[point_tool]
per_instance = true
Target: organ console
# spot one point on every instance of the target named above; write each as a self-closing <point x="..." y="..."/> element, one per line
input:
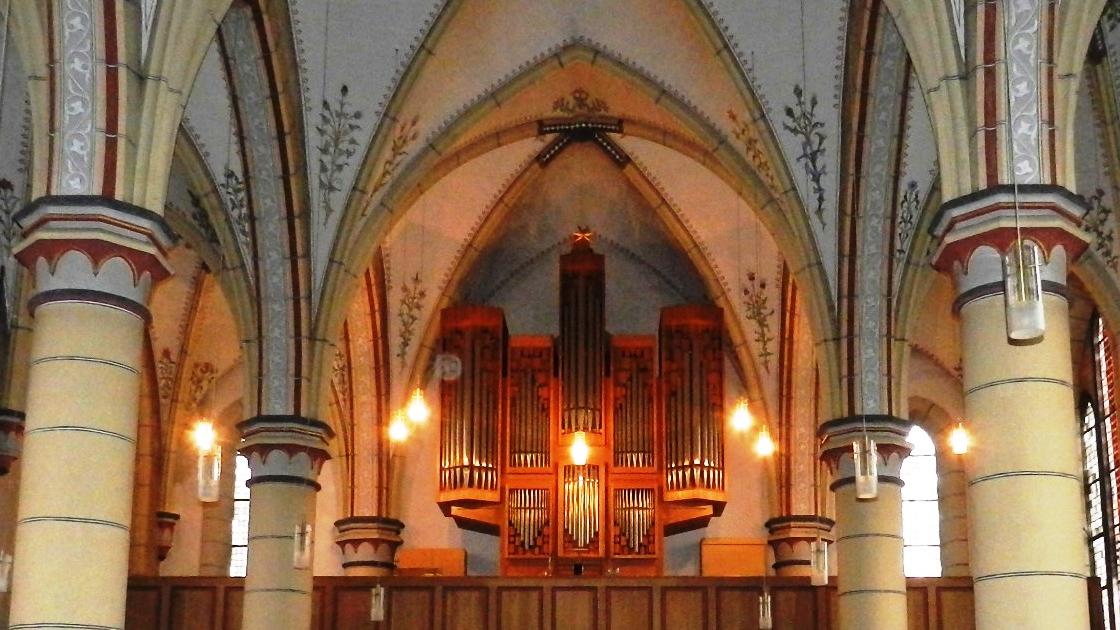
<point x="650" y="408"/>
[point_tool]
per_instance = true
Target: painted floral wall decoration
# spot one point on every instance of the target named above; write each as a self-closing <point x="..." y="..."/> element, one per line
<point x="10" y="202"/>
<point x="200" y="219"/>
<point x="412" y="301"/>
<point x="1098" y="221"/>
<point x="908" y="209"/>
<point x="802" y="121"/>
<point x="580" y="101"/>
<point x="405" y="134"/>
<point x="338" y="129"/>
<point x="233" y="189"/>
<point x="757" y="309"/>
<point x="340" y="378"/>
<point x="165" y="374"/>
<point x="201" y="380"/>
<point x="747" y="132"/>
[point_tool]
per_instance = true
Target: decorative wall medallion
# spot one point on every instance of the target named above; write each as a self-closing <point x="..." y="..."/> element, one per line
<point x="337" y="145"/>
<point x="580" y="102"/>
<point x="1098" y="221"/>
<point x="757" y="309"/>
<point x="76" y="171"/>
<point x="802" y="122"/>
<point x="747" y="132"/>
<point x="404" y="136"/>
<point x="412" y="301"/>
<point x="201" y="380"/>
<point x="165" y="374"/>
<point x="908" y="209"/>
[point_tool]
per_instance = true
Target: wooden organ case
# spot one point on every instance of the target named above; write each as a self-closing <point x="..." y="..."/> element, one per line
<point x="650" y="409"/>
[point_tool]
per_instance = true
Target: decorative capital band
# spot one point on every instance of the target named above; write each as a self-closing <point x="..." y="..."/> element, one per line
<point x="99" y="227"/>
<point x="282" y="448"/>
<point x="369" y="542"/>
<point x="1049" y="215"/>
<point x="888" y="432"/>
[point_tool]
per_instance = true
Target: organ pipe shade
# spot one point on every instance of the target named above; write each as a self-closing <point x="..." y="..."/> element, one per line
<point x="1022" y="276"/>
<point x="582" y="339"/>
<point x="691" y="356"/>
<point x="634" y="518"/>
<point x="528" y="516"/>
<point x="529" y="399"/>
<point x="633" y="382"/>
<point x="865" y="455"/>
<point x="470" y="407"/>
<point x="581" y="505"/>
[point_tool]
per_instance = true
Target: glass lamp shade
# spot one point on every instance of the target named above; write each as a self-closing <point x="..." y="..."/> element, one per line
<point x="301" y="547"/>
<point x="765" y="611"/>
<point x="1022" y="277"/>
<point x="377" y="603"/>
<point x="819" y="550"/>
<point x="764" y="444"/>
<point x="209" y="475"/>
<point x="866" y="456"/>
<point x="398" y="429"/>
<point x="959" y="440"/>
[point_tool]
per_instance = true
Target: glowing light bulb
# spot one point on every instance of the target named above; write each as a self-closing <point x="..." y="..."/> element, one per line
<point x="204" y="436"/>
<point x="418" y="410"/>
<point x="398" y="428"/>
<point x="579" y="449"/>
<point x="764" y="445"/>
<point x="959" y="440"/>
<point x="741" y="419"/>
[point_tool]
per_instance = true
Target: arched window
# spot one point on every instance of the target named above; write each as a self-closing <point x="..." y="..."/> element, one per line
<point x="920" y="520"/>
<point x="1098" y="437"/>
<point x="239" y="550"/>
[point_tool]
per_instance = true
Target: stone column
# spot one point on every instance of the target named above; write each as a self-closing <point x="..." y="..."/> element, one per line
<point x="285" y="456"/>
<point x="1026" y="500"/>
<point x="952" y="507"/>
<point x="369" y="544"/>
<point x="791" y="538"/>
<point x="94" y="261"/>
<point x="871" y="585"/>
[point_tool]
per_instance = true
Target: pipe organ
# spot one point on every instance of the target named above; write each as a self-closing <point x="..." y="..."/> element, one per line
<point x="650" y="409"/>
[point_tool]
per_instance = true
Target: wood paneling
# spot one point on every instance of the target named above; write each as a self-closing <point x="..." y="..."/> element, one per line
<point x="490" y="603"/>
<point x="520" y="608"/>
<point x="466" y="608"/>
<point x="684" y="608"/>
<point x="629" y="608"/>
<point x="575" y="607"/>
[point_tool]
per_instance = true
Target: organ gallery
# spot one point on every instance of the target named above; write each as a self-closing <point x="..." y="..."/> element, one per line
<point x="583" y="451"/>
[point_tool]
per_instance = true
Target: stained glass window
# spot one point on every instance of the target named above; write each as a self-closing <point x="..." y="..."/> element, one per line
<point x="1098" y="438"/>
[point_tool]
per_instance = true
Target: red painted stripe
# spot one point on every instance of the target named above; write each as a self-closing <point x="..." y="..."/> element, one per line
<point x="991" y="111"/>
<point x="112" y="101"/>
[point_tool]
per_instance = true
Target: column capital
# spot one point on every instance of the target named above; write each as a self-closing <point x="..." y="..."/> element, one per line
<point x="791" y="537"/>
<point x="285" y="449"/>
<point x="369" y="544"/>
<point x="11" y="438"/>
<point x="889" y="434"/>
<point x="165" y="529"/>
<point x="93" y="249"/>
<point x="1049" y="215"/>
